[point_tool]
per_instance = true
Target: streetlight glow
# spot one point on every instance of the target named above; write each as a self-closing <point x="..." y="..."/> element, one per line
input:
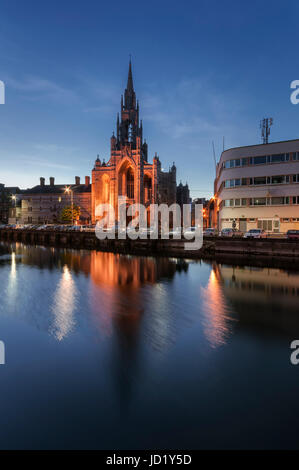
<point x="68" y="190"/>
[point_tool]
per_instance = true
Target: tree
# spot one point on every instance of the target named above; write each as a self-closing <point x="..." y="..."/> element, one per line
<point x="66" y="214"/>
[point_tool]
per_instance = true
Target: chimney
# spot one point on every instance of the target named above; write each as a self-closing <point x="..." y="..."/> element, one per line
<point x="77" y="180"/>
<point x="52" y="180"/>
<point x="42" y="181"/>
<point x="87" y="180"/>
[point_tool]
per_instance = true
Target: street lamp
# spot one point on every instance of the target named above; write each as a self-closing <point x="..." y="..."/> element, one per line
<point x="69" y="190"/>
<point x="14" y="198"/>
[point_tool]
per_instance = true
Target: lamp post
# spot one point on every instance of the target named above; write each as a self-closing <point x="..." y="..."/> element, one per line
<point x="69" y="190"/>
<point x="14" y="198"/>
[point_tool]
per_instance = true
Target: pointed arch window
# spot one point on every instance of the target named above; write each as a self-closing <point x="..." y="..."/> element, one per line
<point x="130" y="132"/>
<point x="130" y="184"/>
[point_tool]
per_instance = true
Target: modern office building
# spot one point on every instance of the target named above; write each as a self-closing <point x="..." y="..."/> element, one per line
<point x="257" y="186"/>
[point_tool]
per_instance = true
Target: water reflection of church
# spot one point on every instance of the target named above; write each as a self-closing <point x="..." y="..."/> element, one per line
<point x="131" y="272"/>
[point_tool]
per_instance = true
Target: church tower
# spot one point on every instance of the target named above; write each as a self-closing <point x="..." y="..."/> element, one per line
<point x="129" y="127"/>
<point x="127" y="174"/>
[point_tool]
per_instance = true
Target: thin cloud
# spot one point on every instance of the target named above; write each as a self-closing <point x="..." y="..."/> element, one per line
<point x="37" y="88"/>
<point x="46" y="164"/>
<point x="54" y="148"/>
<point x="205" y="111"/>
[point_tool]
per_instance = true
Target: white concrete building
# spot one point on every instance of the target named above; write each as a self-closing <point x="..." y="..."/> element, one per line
<point x="258" y="187"/>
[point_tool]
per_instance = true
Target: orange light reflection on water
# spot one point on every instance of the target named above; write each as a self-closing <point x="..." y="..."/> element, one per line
<point x="217" y="312"/>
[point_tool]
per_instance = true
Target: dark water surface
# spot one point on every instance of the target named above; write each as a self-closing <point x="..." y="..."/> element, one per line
<point x="111" y="351"/>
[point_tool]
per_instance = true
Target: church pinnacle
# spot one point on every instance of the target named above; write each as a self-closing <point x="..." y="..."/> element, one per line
<point x="130" y="98"/>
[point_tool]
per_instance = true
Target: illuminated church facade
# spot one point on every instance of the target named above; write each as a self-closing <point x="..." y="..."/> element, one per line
<point x="128" y="174"/>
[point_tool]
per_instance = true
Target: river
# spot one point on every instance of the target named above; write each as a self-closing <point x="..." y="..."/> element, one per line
<point x="108" y="351"/>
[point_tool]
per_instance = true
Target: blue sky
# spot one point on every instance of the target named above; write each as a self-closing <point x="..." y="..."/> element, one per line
<point x="202" y="70"/>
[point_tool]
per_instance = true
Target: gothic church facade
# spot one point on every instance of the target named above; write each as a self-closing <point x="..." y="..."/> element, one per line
<point x="128" y="173"/>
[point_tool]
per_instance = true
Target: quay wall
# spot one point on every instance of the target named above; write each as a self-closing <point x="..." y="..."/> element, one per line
<point x="212" y="247"/>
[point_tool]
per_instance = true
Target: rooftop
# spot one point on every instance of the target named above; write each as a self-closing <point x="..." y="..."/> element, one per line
<point x="57" y="189"/>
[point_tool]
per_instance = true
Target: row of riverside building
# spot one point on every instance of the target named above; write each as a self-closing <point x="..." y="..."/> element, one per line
<point x="127" y="174"/>
<point x="256" y="186"/>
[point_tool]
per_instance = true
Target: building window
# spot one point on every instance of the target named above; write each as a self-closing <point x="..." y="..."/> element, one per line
<point x="282" y="157"/>
<point x="260" y="180"/>
<point x="265" y="224"/>
<point x="277" y="201"/>
<point x="278" y="179"/>
<point x="258" y="201"/>
<point x="130" y="184"/>
<point x="259" y="160"/>
<point x="229" y="203"/>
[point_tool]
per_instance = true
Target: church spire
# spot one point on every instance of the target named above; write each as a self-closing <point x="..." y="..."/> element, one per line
<point x="130" y="87"/>
<point x="128" y="127"/>
<point x="130" y="98"/>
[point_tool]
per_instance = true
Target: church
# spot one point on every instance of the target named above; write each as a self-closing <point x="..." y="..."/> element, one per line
<point x="128" y="173"/>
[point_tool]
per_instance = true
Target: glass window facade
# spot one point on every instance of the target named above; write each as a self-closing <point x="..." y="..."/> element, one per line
<point x="260" y="160"/>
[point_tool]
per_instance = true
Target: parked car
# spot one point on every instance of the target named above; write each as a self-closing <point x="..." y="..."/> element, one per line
<point x="210" y="232"/>
<point x="189" y="231"/>
<point x="255" y="233"/>
<point x="175" y="232"/>
<point x="293" y="234"/>
<point x="148" y="231"/>
<point x="231" y="232"/>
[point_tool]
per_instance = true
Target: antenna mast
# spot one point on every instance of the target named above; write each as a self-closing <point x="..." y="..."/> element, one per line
<point x="214" y="156"/>
<point x="265" y="125"/>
